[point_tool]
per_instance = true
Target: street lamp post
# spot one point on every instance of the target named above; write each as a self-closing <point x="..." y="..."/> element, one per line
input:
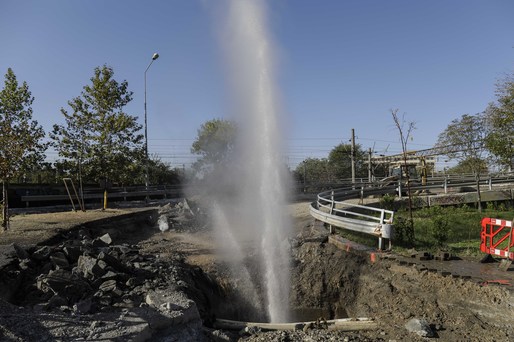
<point x="147" y="181"/>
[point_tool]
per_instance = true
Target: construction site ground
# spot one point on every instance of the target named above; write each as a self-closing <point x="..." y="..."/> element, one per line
<point x="409" y="299"/>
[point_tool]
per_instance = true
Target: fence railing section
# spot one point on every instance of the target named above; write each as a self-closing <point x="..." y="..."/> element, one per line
<point x="335" y="208"/>
<point x="117" y="193"/>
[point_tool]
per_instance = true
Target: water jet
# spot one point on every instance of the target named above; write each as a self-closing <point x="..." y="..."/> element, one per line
<point x="253" y="215"/>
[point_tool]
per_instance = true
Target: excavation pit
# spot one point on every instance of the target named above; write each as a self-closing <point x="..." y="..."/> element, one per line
<point x="323" y="285"/>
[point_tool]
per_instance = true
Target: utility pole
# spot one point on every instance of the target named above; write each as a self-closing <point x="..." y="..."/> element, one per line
<point x="353" y="156"/>
<point x="369" y="166"/>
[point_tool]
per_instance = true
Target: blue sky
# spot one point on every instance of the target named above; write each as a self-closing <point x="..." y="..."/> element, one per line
<point x="342" y="64"/>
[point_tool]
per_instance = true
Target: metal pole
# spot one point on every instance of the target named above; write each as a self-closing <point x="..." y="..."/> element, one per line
<point x="353" y="155"/>
<point x="369" y="165"/>
<point x="146" y="136"/>
<point x="147" y="180"/>
<point x="146" y="139"/>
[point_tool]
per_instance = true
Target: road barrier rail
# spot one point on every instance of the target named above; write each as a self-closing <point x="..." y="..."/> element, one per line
<point x="497" y="238"/>
<point x="117" y="193"/>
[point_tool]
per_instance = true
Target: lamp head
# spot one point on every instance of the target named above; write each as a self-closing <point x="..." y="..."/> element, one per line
<point x="155" y="56"/>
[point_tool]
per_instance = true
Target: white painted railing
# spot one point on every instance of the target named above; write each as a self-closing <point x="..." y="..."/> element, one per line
<point x="335" y="209"/>
<point x="338" y="208"/>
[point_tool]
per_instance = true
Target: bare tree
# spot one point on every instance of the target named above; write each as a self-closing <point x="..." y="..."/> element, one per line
<point x="405" y="130"/>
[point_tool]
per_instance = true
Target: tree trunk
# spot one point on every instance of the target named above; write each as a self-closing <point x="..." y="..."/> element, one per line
<point x="5" y="207"/>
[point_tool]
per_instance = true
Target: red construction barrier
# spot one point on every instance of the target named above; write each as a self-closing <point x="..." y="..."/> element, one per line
<point x="497" y="237"/>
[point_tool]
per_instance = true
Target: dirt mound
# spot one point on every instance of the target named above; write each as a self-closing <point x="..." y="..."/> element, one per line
<point x="340" y="283"/>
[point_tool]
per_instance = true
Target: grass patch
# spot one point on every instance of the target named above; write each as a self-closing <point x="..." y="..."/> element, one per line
<point x="451" y="229"/>
<point x="362" y="238"/>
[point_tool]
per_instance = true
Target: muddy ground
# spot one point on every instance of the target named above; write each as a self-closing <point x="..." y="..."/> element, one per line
<point x="170" y="285"/>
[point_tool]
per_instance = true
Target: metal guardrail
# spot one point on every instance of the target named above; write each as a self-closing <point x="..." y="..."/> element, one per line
<point x="124" y="194"/>
<point x="335" y="208"/>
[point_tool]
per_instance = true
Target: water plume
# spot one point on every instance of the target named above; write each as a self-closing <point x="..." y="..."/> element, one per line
<point x="250" y="194"/>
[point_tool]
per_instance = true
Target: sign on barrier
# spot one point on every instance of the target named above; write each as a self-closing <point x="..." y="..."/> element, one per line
<point x="497" y="237"/>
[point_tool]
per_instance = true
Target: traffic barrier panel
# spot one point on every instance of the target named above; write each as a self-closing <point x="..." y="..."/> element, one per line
<point x="497" y="237"/>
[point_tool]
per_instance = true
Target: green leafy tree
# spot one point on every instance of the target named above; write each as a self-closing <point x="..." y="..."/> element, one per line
<point x="20" y="135"/>
<point x="313" y="171"/>
<point x="469" y="165"/>
<point x="45" y="174"/>
<point x="214" y="144"/>
<point x="340" y="161"/>
<point x="98" y="139"/>
<point x="500" y="123"/>
<point x="162" y="172"/>
<point x="465" y="138"/>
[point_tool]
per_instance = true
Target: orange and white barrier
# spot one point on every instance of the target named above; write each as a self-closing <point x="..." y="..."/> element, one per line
<point x="497" y="238"/>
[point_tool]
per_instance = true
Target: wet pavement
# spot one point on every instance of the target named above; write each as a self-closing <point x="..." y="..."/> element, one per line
<point x="486" y="274"/>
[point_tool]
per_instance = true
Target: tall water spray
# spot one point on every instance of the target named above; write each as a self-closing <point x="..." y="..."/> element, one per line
<point x="254" y="213"/>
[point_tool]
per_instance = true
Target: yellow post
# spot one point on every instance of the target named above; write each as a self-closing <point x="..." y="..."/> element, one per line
<point x="105" y="199"/>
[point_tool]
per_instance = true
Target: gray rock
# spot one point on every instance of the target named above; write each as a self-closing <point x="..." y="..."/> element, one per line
<point x="60" y="281"/>
<point x="113" y="262"/>
<point x="42" y="253"/>
<point x="46" y="268"/>
<point x="165" y="209"/>
<point x="103" y="266"/>
<point x="420" y="327"/>
<point x="89" y="268"/>
<point x="60" y="260"/>
<point x="104" y="240"/>
<point x="20" y="252"/>
<point x="173" y="304"/>
<point x="221" y="336"/>
<point x="57" y="301"/>
<point x="133" y="282"/>
<point x="83" y="306"/>
<point x="123" y="249"/>
<point x="26" y="264"/>
<point x="108" y="285"/>
<point x="110" y="275"/>
<point x="72" y="252"/>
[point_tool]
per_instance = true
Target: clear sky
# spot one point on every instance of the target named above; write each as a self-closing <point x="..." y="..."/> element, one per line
<point x="342" y="64"/>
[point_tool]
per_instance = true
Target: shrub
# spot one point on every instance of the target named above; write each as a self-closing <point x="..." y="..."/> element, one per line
<point x="387" y="202"/>
<point x="430" y="212"/>
<point x="403" y="231"/>
<point x="440" y="229"/>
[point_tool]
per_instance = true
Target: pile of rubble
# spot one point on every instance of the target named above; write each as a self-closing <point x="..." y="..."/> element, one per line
<point x="84" y="275"/>
<point x="109" y="287"/>
<point x="182" y="216"/>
